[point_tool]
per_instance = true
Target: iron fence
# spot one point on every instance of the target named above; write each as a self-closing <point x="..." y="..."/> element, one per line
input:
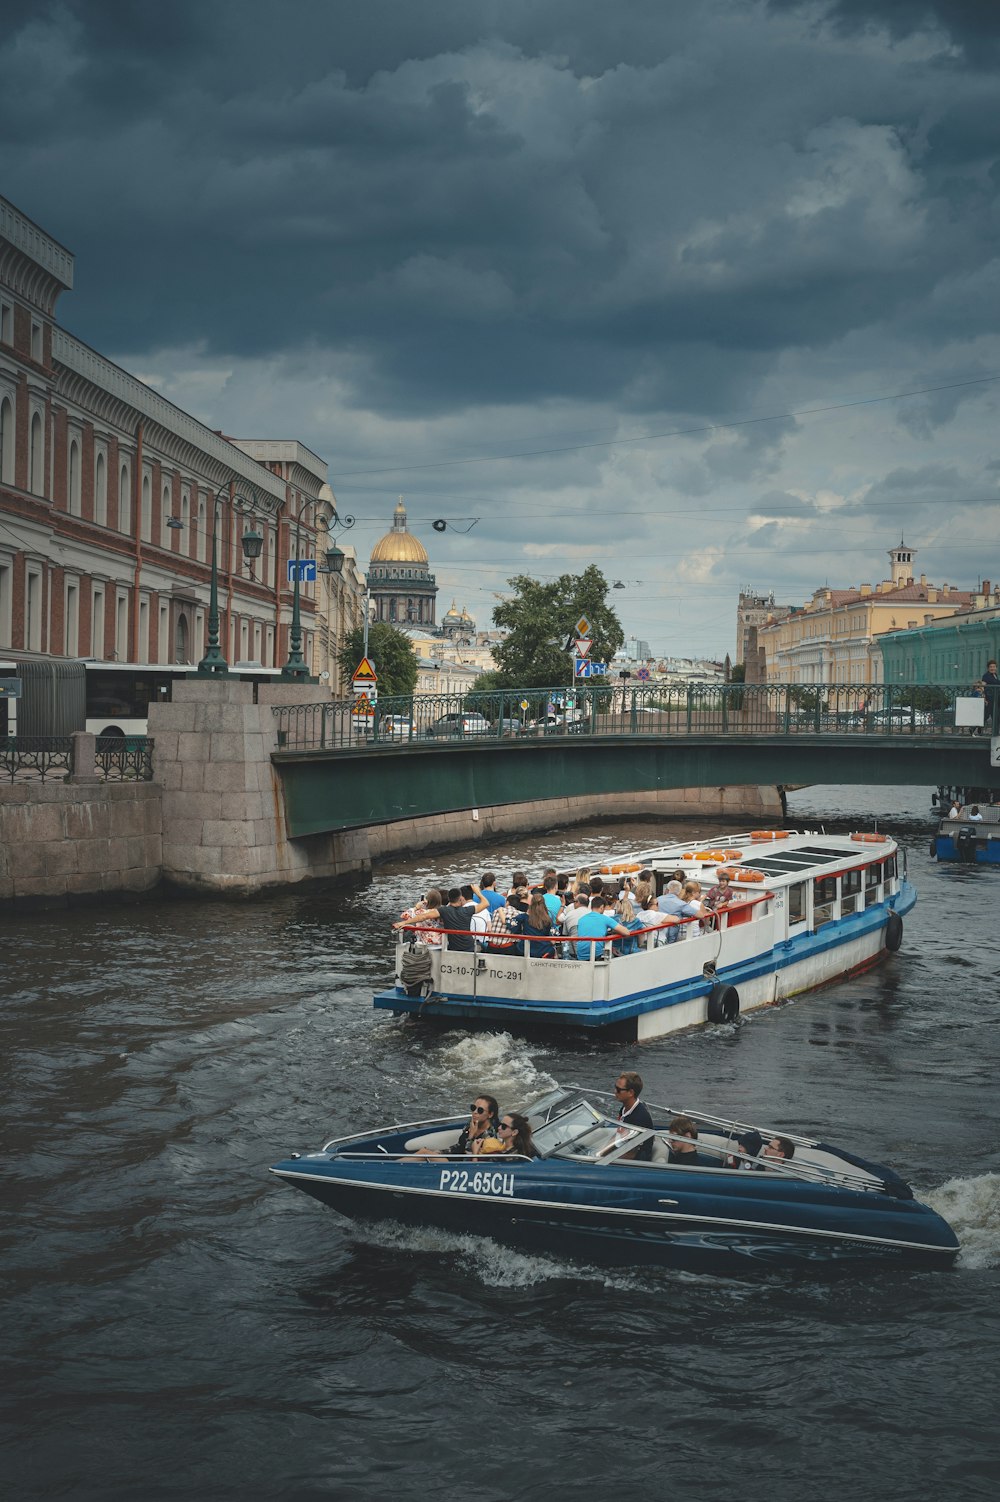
<point x="874" y="710"/>
<point x="34" y="758"/>
<point x="124" y="759"/>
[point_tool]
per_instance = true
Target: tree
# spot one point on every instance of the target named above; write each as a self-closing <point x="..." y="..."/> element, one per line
<point x="390" y="653"/>
<point x="539" y="617"/>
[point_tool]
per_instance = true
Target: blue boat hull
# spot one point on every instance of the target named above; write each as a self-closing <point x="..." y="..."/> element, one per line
<point x="712" y="1221"/>
<point x="970" y="852"/>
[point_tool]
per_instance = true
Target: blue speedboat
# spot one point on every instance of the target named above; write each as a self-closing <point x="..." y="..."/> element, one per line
<point x="586" y="1197"/>
<point x="971" y="840"/>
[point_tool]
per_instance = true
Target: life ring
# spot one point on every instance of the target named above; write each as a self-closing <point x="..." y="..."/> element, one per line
<point x="748" y="875"/>
<point x="769" y="834"/>
<point x="893" y="932"/>
<point x="869" y="839"/>
<point x="732" y="855"/>
<point x="723" y="1003"/>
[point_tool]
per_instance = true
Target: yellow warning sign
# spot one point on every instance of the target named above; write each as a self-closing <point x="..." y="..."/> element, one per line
<point x="582" y="627"/>
<point x="361" y="705"/>
<point x="365" y="673"/>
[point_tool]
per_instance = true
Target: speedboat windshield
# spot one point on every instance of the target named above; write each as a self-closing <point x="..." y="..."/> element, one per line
<point x="583" y="1132"/>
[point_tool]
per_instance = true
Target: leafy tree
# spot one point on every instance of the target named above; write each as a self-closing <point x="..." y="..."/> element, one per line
<point x="738" y="673"/>
<point x="389" y="652"/>
<point x="539" y="617"/>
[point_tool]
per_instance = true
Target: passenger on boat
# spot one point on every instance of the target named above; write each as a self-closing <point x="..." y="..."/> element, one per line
<point x="594" y="925"/>
<point x="551" y="897"/>
<point x="626" y="915"/>
<point x="418" y="921"/>
<point x="721" y="893"/>
<point x="749" y="1144"/>
<point x="571" y="915"/>
<point x="514" y="1138"/>
<point x="581" y="881"/>
<point x="975" y="817"/>
<point x="781" y="1148"/>
<point x="536" y="926"/>
<point x="632" y="1112"/>
<point x="484" y="1116"/>
<point x="955" y="812"/>
<point x="540" y="885"/>
<point x="653" y="918"/>
<point x="518" y="895"/>
<point x="597" y="886"/>
<point x="456" y="913"/>
<point x="683" y="1145"/>
<point x="487" y="887"/>
<point x="501" y="931"/>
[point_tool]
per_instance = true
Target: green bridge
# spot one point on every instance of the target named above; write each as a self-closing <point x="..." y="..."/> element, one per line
<point x="430" y="754"/>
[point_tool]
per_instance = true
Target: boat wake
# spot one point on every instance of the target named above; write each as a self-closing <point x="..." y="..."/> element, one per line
<point x="972" y="1208"/>
<point x="493" y="1264"/>
<point x="496" y="1062"/>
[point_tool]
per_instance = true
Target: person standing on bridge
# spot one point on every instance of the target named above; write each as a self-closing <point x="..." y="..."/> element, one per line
<point x="991" y="693"/>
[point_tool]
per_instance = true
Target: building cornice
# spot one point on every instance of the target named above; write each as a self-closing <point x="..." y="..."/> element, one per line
<point x="32" y="264"/>
<point x="105" y="390"/>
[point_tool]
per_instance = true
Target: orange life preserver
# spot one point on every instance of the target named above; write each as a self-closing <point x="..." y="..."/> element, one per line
<point x="751" y="876"/>
<point x="732" y="855"/>
<point x="769" y="834"/>
<point x="869" y="839"/>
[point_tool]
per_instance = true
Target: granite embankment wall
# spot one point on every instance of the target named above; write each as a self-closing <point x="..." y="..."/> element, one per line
<point x="212" y="821"/>
<point x="61" y="844"/>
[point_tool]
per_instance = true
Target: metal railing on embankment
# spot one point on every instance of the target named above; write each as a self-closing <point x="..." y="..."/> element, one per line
<point x="735" y="709"/>
<point x="37" y="758"/>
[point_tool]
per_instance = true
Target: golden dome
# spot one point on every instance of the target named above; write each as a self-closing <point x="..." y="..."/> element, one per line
<point x="399" y="546"/>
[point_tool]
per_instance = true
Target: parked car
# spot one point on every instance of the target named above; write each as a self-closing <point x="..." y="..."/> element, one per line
<point x="460" y="724"/>
<point x="395" y="727"/>
<point x="507" y="725"/>
<point x="571" y="722"/>
<point x="901" y="714"/>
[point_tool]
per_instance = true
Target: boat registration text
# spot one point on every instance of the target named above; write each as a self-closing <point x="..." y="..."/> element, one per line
<point x="464" y="1181"/>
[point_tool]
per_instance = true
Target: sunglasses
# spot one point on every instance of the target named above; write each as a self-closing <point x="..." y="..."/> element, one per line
<point x="621" y="1089"/>
<point x="479" y="1110"/>
<point x="507" y="1126"/>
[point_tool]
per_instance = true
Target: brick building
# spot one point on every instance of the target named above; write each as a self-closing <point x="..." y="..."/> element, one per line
<point x="109" y="493"/>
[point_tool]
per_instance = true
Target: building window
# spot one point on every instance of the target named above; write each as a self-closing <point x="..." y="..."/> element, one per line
<point x="146" y="511"/>
<point x="202" y="544"/>
<point x="97" y="623"/>
<point x="121" y="627"/>
<point x="5" y="603"/>
<point x="181" y="639"/>
<point x="36" y="342"/>
<point x="74" y="480"/>
<point x="33" y="610"/>
<point x="185" y="521"/>
<point x="6" y="323"/>
<point x="101" y="490"/>
<point x="167" y="505"/>
<point x="36" y="456"/>
<point x="125" y="502"/>
<point x="71" y="618"/>
<point x="7" y="441"/>
<point x="143" y="630"/>
<point x="163" y="639"/>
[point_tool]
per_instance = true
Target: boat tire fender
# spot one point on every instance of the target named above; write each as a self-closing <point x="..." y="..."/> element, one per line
<point x="893" y="932"/>
<point x="724" y="1003"/>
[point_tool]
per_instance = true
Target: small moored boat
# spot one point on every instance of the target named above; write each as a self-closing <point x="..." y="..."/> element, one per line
<point x="584" y="1195"/>
<point x="973" y="841"/>
<point x="805" y="909"/>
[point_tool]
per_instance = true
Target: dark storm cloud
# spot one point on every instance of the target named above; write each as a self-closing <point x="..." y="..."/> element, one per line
<point x="491" y="203"/>
<point x="973" y="25"/>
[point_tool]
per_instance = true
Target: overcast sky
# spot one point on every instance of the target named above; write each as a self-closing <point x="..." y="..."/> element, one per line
<point x="575" y="268"/>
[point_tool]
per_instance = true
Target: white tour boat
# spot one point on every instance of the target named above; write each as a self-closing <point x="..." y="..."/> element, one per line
<point x="806" y="909"/>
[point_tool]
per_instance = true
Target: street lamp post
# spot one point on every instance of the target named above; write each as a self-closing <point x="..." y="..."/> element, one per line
<point x="296" y="669"/>
<point x="214" y="664"/>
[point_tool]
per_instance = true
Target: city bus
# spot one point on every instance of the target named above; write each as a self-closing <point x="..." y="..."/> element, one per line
<point x="119" y="693"/>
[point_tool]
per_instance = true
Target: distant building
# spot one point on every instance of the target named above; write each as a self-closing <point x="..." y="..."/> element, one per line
<point x="403" y="590"/>
<point x="755" y="609"/>
<point x="834" y="637"/>
<point x="949" y="649"/>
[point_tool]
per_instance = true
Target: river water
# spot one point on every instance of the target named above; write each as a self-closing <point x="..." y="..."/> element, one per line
<point x="178" y="1324"/>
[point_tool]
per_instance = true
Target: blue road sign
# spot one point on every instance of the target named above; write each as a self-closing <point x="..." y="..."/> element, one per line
<point x="597" y="668"/>
<point x="306" y="568"/>
<point x="582" y="667"/>
<point x="10" y="688"/>
<point x="643" y="675"/>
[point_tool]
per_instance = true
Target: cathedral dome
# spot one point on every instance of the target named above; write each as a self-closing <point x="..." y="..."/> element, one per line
<point x="399" y="546"/>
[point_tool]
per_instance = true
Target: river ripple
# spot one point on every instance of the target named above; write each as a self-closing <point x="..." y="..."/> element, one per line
<point x="180" y="1325"/>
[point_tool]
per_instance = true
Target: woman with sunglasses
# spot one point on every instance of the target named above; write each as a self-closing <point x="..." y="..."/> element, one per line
<point x="484" y="1122"/>
<point x="513" y="1138"/>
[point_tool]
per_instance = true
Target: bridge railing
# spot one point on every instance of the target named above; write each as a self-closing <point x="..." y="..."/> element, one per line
<point x="874" y="710"/>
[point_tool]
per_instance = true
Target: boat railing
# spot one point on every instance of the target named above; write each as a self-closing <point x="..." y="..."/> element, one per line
<point x="400" y="1126"/>
<point x="499" y="944"/>
<point x="845" y="1176"/>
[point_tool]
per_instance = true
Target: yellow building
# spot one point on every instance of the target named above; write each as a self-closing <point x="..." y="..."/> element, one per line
<point x="833" y="637"/>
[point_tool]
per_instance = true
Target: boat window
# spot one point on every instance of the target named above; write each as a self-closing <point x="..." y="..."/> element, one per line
<point x="567" y="1128"/>
<point x="797" y="903"/>
<point x="850" y="891"/>
<point x="824" y="900"/>
<point x="890" y="867"/>
<point x="873" y="875"/>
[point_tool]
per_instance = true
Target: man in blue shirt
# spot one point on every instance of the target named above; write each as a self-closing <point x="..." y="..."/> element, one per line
<point x="596" y="924"/>
<point x="487" y="889"/>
